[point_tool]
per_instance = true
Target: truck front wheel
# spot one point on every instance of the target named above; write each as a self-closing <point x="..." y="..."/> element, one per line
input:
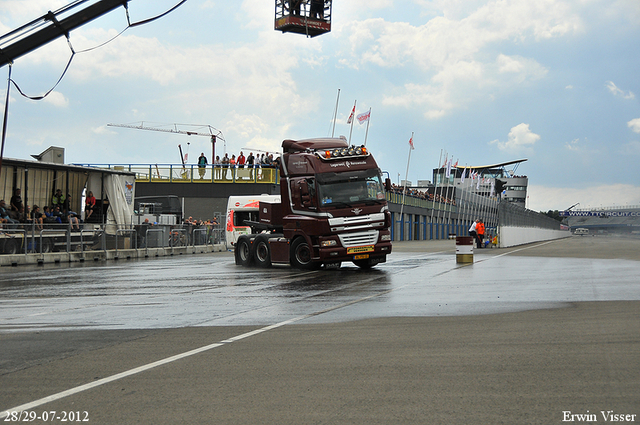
<point x="262" y="251"/>
<point x="243" y="251"/>
<point x="301" y="255"/>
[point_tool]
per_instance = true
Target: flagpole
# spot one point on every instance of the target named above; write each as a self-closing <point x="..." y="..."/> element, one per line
<point x="444" y="175"/>
<point x="465" y="211"/>
<point x="367" y="131"/>
<point x="335" y="114"/>
<point x="450" y="197"/>
<point x="406" y="176"/>
<point x="353" y="118"/>
<point x="435" y="192"/>
<point x="444" y="170"/>
<point x="460" y="207"/>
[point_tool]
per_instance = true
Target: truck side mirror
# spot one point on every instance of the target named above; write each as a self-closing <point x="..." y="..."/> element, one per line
<point x="387" y="185"/>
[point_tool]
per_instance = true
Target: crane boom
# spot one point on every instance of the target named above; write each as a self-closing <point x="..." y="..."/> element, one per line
<point x="141" y="126"/>
<point x="214" y="133"/>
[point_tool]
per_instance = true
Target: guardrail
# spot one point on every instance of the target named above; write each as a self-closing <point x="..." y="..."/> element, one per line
<point x="61" y="238"/>
<point x="48" y="241"/>
<point x="124" y="231"/>
<point x="55" y="245"/>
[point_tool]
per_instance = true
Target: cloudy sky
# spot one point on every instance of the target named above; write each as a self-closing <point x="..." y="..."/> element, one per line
<point x="552" y="81"/>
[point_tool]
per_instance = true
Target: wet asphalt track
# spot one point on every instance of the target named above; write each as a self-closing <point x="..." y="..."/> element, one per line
<point x="210" y="290"/>
<point x="414" y="340"/>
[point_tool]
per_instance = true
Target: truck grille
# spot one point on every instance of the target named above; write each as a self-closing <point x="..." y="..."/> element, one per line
<point x="350" y="221"/>
<point x="357" y="239"/>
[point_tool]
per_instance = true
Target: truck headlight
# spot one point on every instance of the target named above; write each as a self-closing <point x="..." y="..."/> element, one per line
<point x="328" y="243"/>
<point x="385" y="237"/>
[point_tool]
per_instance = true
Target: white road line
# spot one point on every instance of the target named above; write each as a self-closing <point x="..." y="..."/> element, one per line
<point x="517" y="250"/>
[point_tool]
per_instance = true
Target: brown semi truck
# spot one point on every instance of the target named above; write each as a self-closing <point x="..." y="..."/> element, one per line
<point x="332" y="209"/>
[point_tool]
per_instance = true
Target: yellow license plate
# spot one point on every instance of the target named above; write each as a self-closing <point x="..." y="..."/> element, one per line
<point x="361" y="257"/>
<point x="359" y="249"/>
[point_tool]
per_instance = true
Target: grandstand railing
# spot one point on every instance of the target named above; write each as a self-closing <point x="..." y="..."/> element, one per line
<point x="192" y="173"/>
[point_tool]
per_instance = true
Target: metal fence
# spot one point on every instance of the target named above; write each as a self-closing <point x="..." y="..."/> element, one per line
<point x="31" y="238"/>
<point x="513" y="215"/>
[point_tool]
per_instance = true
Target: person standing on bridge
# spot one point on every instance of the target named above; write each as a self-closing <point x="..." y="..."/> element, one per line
<point x="202" y="165"/>
<point x="250" y="163"/>
<point x="217" y="166"/>
<point x="233" y="163"/>
<point x="225" y="166"/>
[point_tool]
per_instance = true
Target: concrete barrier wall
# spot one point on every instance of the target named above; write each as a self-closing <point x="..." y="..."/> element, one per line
<point x="105" y="255"/>
<point x="512" y="236"/>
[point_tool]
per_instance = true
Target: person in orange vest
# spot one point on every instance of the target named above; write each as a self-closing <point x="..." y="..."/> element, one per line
<point x="480" y="233"/>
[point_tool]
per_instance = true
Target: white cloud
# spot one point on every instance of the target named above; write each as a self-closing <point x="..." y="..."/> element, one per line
<point x="634" y="125"/>
<point x="573" y="145"/>
<point x="618" y="92"/>
<point x="542" y="198"/>
<point x="520" y="137"/>
<point x="631" y="149"/>
<point x="523" y="68"/>
<point x="103" y="129"/>
<point x="450" y="50"/>
<point x="26" y="11"/>
<point x="56" y="99"/>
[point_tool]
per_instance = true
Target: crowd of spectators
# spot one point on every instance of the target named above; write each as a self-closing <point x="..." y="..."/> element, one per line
<point x="57" y="212"/>
<point x="226" y="168"/>
<point x="425" y="195"/>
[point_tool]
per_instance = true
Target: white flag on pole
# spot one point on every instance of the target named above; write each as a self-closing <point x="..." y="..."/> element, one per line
<point x="364" y="117"/>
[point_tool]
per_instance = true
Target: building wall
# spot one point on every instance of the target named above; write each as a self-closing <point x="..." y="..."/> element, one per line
<point x="202" y="200"/>
<point x="205" y="208"/>
<point x="513" y="236"/>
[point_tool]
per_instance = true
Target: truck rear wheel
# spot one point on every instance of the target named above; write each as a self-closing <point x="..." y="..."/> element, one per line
<point x="243" y="252"/>
<point x="47" y="246"/>
<point x="301" y="255"/>
<point x="10" y="246"/>
<point x="262" y="251"/>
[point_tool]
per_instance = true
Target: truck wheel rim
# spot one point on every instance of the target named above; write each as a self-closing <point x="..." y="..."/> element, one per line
<point x="261" y="252"/>
<point x="244" y="251"/>
<point x="303" y="254"/>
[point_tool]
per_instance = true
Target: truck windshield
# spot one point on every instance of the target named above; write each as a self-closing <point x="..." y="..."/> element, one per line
<point x="347" y="188"/>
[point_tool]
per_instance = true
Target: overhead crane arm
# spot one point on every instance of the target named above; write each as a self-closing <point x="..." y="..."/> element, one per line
<point x="213" y="133"/>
